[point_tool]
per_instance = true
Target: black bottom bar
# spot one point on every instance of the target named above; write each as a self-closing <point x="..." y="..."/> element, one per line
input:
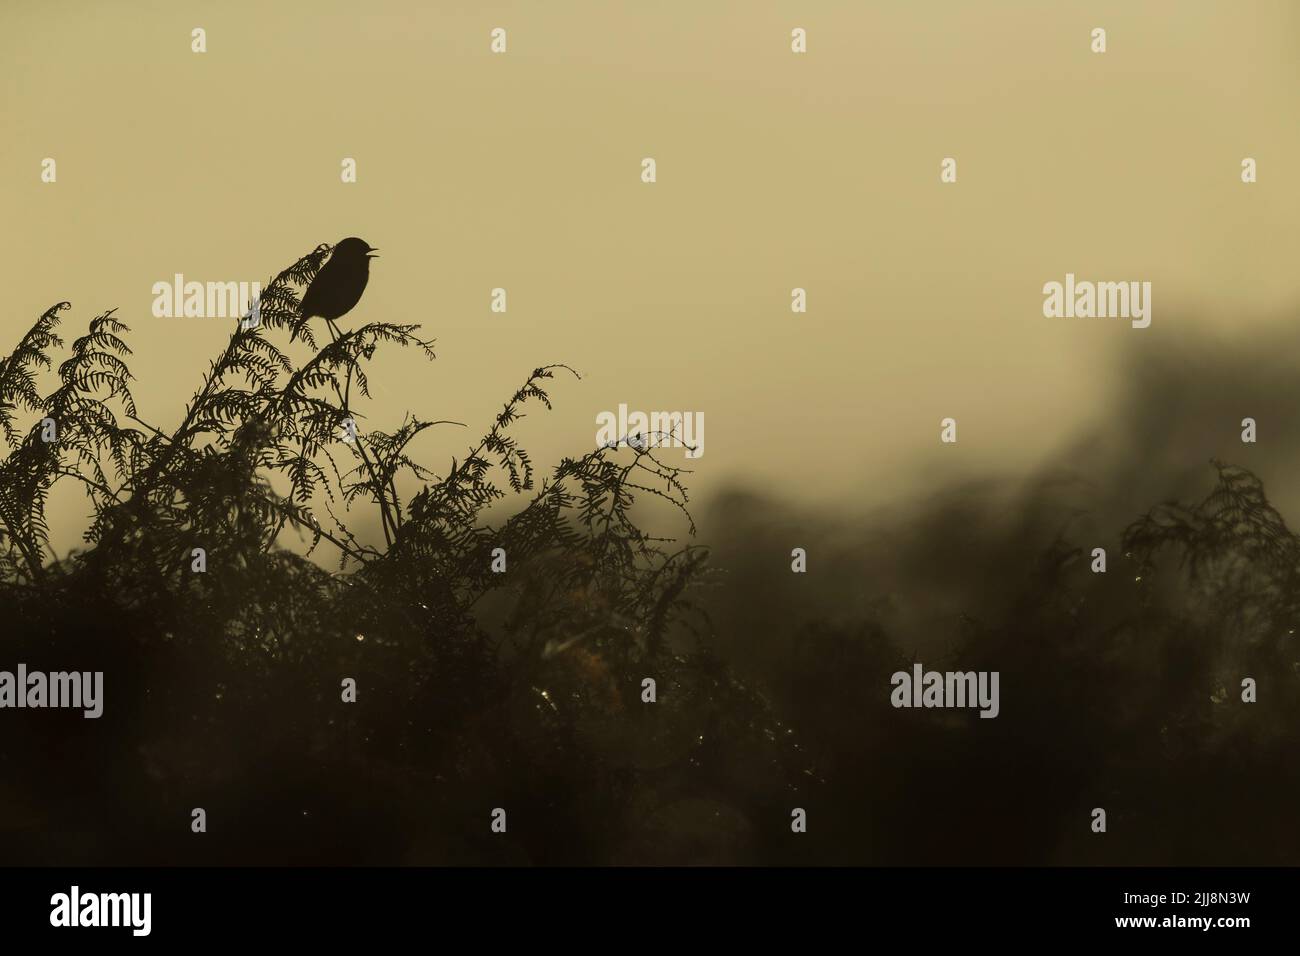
<point x="768" y="906"/>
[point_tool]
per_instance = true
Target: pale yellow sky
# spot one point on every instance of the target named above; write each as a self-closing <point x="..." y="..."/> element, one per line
<point x="775" y="170"/>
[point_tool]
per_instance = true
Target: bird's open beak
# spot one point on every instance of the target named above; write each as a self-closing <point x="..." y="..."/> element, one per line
<point x="373" y="254"/>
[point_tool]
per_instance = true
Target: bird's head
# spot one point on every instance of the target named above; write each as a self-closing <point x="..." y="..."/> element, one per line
<point x="354" y="249"/>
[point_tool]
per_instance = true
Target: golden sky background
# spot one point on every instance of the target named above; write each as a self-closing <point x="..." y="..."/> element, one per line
<point x="775" y="170"/>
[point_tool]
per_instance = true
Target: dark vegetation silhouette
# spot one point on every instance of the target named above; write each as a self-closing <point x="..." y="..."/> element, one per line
<point x="522" y="690"/>
<point x="223" y="687"/>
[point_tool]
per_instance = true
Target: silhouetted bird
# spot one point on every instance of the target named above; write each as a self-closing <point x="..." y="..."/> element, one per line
<point x="340" y="282"/>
